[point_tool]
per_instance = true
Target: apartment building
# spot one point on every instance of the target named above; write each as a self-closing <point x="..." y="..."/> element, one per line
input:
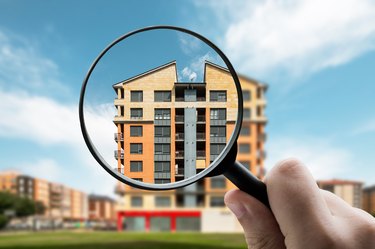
<point x="8" y="181"/>
<point x="101" y="208"/>
<point x="349" y="191"/>
<point x="368" y="199"/>
<point x="169" y="131"/>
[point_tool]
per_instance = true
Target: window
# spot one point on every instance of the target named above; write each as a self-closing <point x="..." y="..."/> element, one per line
<point x="215" y="149"/>
<point x="244" y="148"/>
<point x="162" y="114"/>
<point x="246" y="113"/>
<point x="217" y="201"/>
<point x="259" y="111"/>
<point x="218" y="131"/>
<point x="162" y="181"/>
<point x="136" y="166"/>
<point x="246" y="94"/>
<point x="136" y="201"/>
<point x="247" y="164"/>
<point x="218" y="96"/>
<point x="162" y="149"/>
<point x="136" y="96"/>
<point x="136" y="131"/>
<point x="162" y="96"/>
<point x="218" y="182"/>
<point x="136" y="148"/>
<point x="245" y="131"/>
<point x="162" y="131"/>
<point x="162" y="167"/>
<point x="136" y="113"/>
<point x="188" y="224"/>
<point x="218" y="114"/>
<point x="162" y="201"/>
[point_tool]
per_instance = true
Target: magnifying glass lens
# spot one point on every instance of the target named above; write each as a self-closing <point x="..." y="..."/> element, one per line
<point x="160" y="107"/>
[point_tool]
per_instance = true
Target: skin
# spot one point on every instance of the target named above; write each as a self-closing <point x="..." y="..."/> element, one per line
<point x="302" y="215"/>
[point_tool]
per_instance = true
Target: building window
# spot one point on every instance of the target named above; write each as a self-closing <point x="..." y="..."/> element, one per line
<point x="245" y="131"/>
<point x="136" y="131"/>
<point x="136" y="113"/>
<point x="218" y="96"/>
<point x="136" y="166"/>
<point x="218" y="131"/>
<point x="259" y="111"/>
<point x="217" y="201"/>
<point x="162" y="167"/>
<point x="244" y="148"/>
<point x="162" y="96"/>
<point x="162" y="181"/>
<point x="218" y="114"/>
<point x="162" y="131"/>
<point x="162" y="201"/>
<point x="164" y="149"/>
<point x="162" y="114"/>
<point x="218" y="182"/>
<point x="247" y="164"/>
<point x="136" y="96"/>
<point x="136" y="201"/>
<point x="246" y="94"/>
<point x="215" y="149"/>
<point x="136" y="148"/>
<point x="247" y="113"/>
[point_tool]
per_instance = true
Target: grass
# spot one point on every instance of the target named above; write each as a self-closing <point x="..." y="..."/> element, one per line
<point x="109" y="240"/>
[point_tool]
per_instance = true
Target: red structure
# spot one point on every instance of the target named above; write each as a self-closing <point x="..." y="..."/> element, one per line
<point x="172" y="215"/>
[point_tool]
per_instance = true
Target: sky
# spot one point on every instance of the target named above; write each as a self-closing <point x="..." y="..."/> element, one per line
<point x="317" y="57"/>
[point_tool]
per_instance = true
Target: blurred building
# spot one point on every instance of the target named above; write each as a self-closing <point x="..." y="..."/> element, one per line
<point x="368" y="203"/>
<point x="101" y="208"/>
<point x="161" y="129"/>
<point x="8" y="181"/>
<point x="349" y="191"/>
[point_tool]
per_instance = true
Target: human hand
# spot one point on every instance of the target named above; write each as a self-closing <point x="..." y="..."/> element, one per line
<point x="302" y="216"/>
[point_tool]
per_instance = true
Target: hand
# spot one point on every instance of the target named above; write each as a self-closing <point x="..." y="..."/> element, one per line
<point x="303" y="216"/>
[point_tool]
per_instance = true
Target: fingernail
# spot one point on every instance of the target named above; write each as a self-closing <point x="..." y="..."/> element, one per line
<point x="237" y="208"/>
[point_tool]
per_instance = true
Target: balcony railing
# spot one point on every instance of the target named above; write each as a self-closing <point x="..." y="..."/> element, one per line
<point x="201" y="154"/>
<point x="201" y="136"/>
<point x="179" y="154"/>
<point x="201" y="98"/>
<point x="119" y="137"/>
<point x="119" y="154"/>
<point x="180" y="136"/>
<point x="180" y="99"/>
<point x="179" y="118"/>
<point x="180" y="172"/>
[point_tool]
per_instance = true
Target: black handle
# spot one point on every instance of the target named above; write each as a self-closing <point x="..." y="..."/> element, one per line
<point x="247" y="182"/>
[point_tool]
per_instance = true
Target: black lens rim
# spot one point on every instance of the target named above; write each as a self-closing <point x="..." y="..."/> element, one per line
<point x="150" y="186"/>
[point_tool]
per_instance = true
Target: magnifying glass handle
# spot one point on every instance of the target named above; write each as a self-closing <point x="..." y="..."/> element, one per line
<point x="247" y="182"/>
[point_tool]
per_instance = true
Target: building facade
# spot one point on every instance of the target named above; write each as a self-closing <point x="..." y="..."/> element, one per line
<point x="349" y="191"/>
<point x="8" y="181"/>
<point x="368" y="203"/>
<point x="168" y="131"/>
<point x="101" y="208"/>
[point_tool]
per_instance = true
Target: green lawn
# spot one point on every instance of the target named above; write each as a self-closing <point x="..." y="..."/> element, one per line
<point x="109" y="240"/>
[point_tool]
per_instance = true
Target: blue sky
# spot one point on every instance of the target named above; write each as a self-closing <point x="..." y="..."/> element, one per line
<point x="317" y="57"/>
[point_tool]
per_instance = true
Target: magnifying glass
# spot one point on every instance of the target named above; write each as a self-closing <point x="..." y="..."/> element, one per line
<point x="161" y="107"/>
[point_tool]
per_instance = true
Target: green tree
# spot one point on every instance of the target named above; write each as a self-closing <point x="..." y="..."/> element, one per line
<point x="3" y="221"/>
<point x="24" y="207"/>
<point x="39" y="207"/>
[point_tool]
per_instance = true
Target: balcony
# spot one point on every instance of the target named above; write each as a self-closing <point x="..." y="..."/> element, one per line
<point x="118" y="101"/>
<point x="201" y="118"/>
<point x="201" y="99"/>
<point x="119" y="137"/>
<point x="201" y="154"/>
<point x="201" y="136"/>
<point x="119" y="154"/>
<point x="179" y="118"/>
<point x="262" y="137"/>
<point x="180" y="172"/>
<point x="179" y="154"/>
<point x="180" y="136"/>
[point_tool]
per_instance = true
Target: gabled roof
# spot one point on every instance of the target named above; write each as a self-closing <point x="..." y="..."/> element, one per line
<point x="116" y="85"/>
<point x="252" y="80"/>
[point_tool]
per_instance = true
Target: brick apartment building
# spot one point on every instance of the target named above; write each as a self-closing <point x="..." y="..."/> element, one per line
<point x="156" y="116"/>
<point x="368" y="199"/>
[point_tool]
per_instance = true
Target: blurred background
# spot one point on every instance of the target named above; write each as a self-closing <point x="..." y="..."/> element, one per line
<point x="307" y="71"/>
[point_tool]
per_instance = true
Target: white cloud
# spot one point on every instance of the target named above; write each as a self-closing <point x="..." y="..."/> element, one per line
<point x="45" y="168"/>
<point x="320" y="155"/>
<point x="196" y="67"/>
<point x="298" y="37"/>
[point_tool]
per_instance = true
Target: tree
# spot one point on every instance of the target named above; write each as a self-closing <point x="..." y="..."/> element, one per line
<point x="39" y="207"/>
<point x="3" y="221"/>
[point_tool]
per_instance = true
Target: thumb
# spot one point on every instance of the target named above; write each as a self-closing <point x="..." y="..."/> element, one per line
<point x="259" y="224"/>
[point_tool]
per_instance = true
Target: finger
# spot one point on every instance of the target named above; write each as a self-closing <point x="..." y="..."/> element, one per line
<point x="259" y="224"/>
<point x="296" y="201"/>
<point x="336" y="205"/>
